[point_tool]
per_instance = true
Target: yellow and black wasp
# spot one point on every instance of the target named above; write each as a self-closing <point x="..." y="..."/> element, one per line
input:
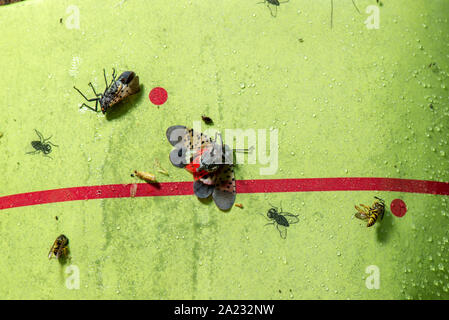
<point x="60" y="248"/>
<point x="371" y="213"/>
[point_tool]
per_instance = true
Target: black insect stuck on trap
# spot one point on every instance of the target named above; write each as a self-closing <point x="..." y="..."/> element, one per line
<point x="275" y="3"/>
<point x="211" y="164"/>
<point x="282" y="220"/>
<point x="127" y="84"/>
<point x="43" y="145"/>
<point x="207" y="120"/>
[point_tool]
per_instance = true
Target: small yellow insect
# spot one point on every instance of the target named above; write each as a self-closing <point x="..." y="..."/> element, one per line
<point x="60" y="248"/>
<point x="148" y="177"/>
<point x="371" y="213"/>
<point x="239" y="205"/>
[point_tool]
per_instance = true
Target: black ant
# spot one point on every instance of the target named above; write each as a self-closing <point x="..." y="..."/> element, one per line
<point x="43" y="145"/>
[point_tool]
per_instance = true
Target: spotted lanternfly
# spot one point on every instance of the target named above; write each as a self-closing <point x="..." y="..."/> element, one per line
<point x="127" y="84"/>
<point x="211" y="164"/>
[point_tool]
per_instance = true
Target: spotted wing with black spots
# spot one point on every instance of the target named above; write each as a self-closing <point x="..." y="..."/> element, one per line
<point x="187" y="144"/>
<point x="224" y="193"/>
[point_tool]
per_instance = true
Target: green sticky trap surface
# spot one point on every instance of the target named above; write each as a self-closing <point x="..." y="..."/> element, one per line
<point x="348" y="102"/>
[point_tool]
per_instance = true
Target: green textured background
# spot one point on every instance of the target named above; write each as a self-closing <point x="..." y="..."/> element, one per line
<point x="347" y="101"/>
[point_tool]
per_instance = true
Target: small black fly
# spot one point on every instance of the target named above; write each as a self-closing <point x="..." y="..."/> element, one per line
<point x="127" y="84"/>
<point x="275" y="3"/>
<point x="43" y="145"/>
<point x="282" y="220"/>
<point x="207" y="120"/>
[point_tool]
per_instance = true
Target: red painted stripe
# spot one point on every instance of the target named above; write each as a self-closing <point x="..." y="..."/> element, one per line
<point x="243" y="186"/>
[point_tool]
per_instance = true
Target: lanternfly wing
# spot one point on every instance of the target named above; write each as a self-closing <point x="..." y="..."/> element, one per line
<point x="203" y="190"/>
<point x="126" y="85"/>
<point x="224" y="193"/>
<point x="190" y="139"/>
<point x="130" y="81"/>
<point x="187" y="143"/>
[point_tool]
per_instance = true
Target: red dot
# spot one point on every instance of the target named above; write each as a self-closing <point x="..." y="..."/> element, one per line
<point x="158" y="96"/>
<point x="398" y="208"/>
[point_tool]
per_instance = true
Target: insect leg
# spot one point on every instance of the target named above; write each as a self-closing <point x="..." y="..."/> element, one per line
<point x="271" y="11"/>
<point x="33" y="152"/>
<point x="105" y="80"/>
<point x="49" y="142"/>
<point x="268" y="224"/>
<point x="55" y="145"/>
<point x="273" y="206"/>
<point x="112" y="80"/>
<point x="367" y="209"/>
<point x="93" y="89"/>
<point x="263" y="215"/>
<point x="85" y="105"/>
<point x="113" y="74"/>
<point x="89" y="100"/>
<point x="353" y="2"/>
<point x="41" y="137"/>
